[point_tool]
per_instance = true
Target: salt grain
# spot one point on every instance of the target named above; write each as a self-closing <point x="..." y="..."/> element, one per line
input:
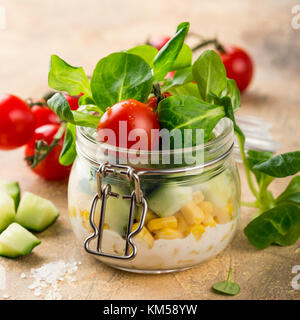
<point x="47" y="277"/>
<point x="23" y="275"/>
<point x="5" y="296"/>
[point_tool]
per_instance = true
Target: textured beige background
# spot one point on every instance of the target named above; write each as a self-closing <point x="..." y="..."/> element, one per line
<point x="83" y="31"/>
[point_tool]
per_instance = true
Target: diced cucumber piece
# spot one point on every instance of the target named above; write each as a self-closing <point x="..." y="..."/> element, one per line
<point x="36" y="213"/>
<point x="219" y="189"/>
<point x="17" y="241"/>
<point x="7" y="210"/>
<point x="168" y="199"/>
<point x="12" y="189"/>
<point x="117" y="211"/>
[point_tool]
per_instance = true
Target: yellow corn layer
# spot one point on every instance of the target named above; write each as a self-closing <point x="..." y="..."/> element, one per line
<point x="160" y="223"/>
<point x="167" y="233"/>
<point x="207" y="207"/>
<point x="182" y="224"/>
<point x="145" y="235"/>
<point x="192" y="213"/>
<point x="85" y="214"/>
<point x="149" y="215"/>
<point x="197" y="231"/>
<point x="209" y="220"/>
<point x="198" y="197"/>
<point x="222" y="215"/>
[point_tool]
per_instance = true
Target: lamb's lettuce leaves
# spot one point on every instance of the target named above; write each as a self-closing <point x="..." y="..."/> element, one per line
<point x="85" y="100"/>
<point x="283" y="165"/>
<point x="121" y="76"/>
<point x="188" y="89"/>
<point x="187" y="112"/>
<point x="210" y="75"/>
<point x="184" y="58"/>
<point x="146" y="52"/>
<point x="291" y="193"/>
<point x="229" y="113"/>
<point x="279" y="225"/>
<point x="180" y="78"/>
<point x="167" y="55"/>
<point x="254" y="157"/>
<point x="64" y="77"/>
<point x="68" y="152"/>
<point x="61" y="107"/>
<point x="233" y="93"/>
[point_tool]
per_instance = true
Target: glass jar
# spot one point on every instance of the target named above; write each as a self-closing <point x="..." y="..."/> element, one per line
<point x="172" y="217"/>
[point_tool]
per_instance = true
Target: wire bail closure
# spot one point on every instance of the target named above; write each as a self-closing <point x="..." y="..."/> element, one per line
<point x="103" y="193"/>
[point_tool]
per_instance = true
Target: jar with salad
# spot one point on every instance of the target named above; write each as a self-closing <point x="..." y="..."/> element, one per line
<point x="132" y="203"/>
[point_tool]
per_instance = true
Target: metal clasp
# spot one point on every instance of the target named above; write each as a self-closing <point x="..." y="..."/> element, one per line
<point x="103" y="193"/>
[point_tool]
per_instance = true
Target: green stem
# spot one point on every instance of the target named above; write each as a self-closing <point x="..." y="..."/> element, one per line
<point x="229" y="274"/>
<point x="157" y="93"/>
<point x="206" y="42"/>
<point x="40" y="157"/>
<point x="249" y="204"/>
<point x="265" y="196"/>
<point x="247" y="170"/>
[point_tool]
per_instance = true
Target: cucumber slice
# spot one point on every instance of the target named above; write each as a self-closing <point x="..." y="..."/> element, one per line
<point x="168" y="199"/>
<point x="7" y="210"/>
<point x="36" y="213"/>
<point x="17" y="241"/>
<point x="219" y="189"/>
<point x="117" y="211"/>
<point x="12" y="189"/>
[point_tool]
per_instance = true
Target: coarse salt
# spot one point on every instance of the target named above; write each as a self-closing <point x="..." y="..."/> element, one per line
<point x="47" y="277"/>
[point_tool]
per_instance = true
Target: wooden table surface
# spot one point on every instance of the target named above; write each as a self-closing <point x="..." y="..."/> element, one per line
<point x="81" y="33"/>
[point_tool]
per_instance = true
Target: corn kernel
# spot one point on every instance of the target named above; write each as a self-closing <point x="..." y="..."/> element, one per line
<point x="196" y="230"/>
<point x="72" y="212"/>
<point x="182" y="224"/>
<point x="105" y="226"/>
<point x="160" y="223"/>
<point x="198" y="197"/>
<point x="207" y="207"/>
<point x="84" y="214"/>
<point x="216" y="219"/>
<point x="145" y="235"/>
<point x="221" y="215"/>
<point x="208" y="220"/>
<point x="229" y="207"/>
<point x="149" y="215"/>
<point x="192" y="213"/>
<point x="167" y="233"/>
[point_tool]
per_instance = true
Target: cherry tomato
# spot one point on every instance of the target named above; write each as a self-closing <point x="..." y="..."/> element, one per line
<point x="49" y="168"/>
<point x="73" y="101"/>
<point x="43" y="115"/>
<point x="238" y="65"/>
<point x="158" y="42"/>
<point x="137" y="115"/>
<point x="16" y="122"/>
<point x="152" y="102"/>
